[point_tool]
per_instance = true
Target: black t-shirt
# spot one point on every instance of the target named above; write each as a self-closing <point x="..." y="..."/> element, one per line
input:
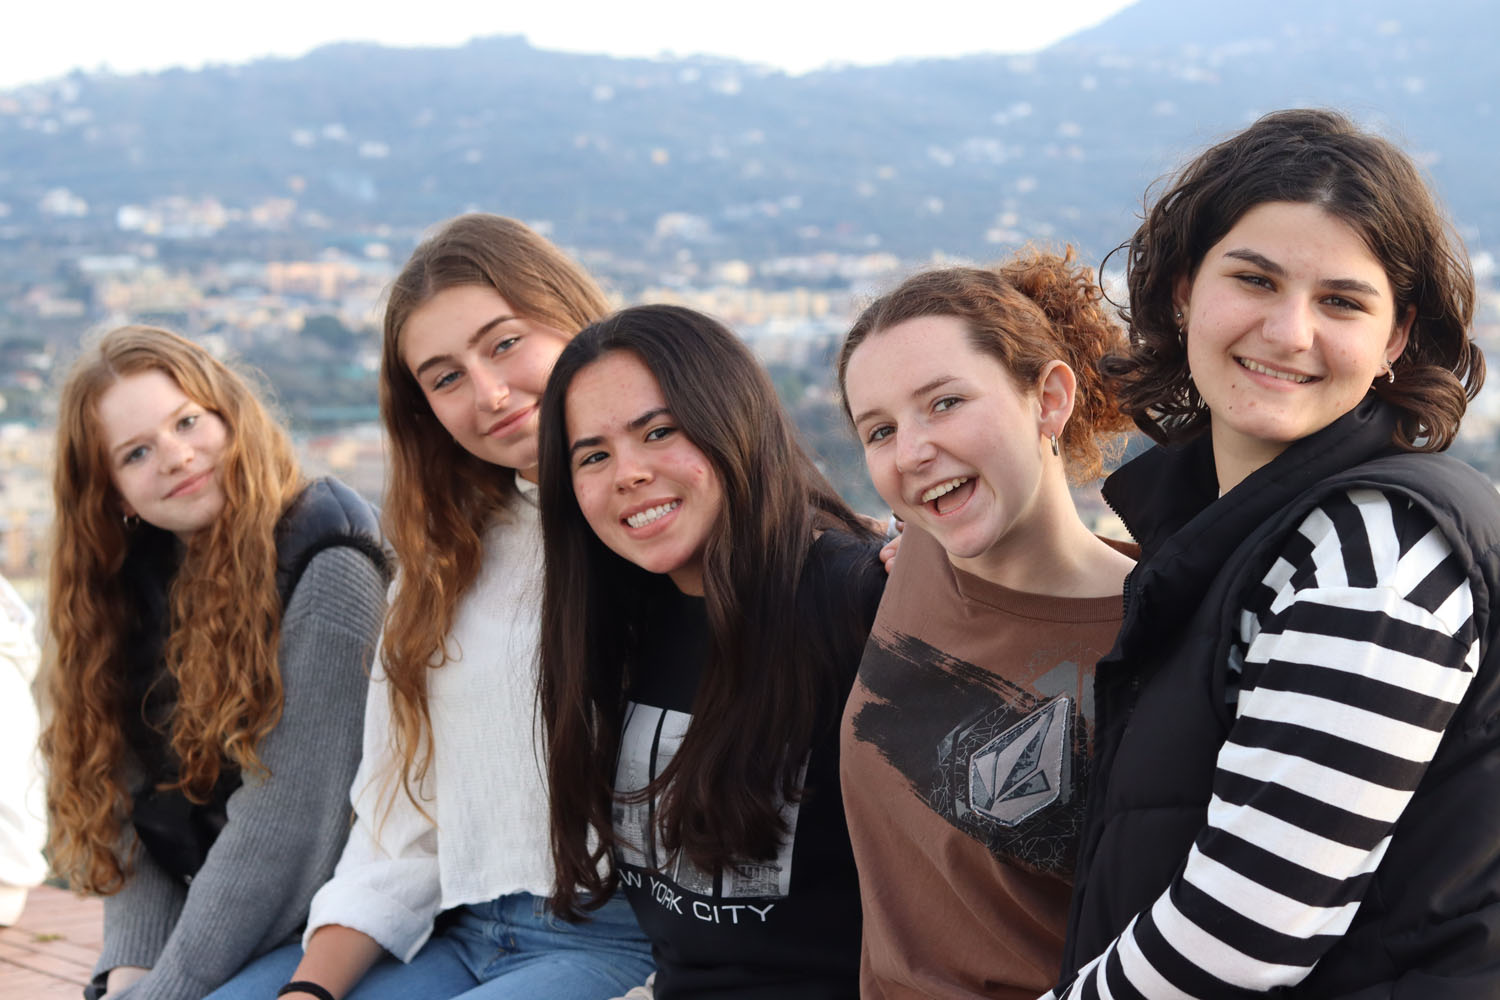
<point x="789" y="927"/>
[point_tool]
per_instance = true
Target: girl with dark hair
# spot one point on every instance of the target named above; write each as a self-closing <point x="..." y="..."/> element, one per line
<point x="966" y="741"/>
<point x="1295" y="778"/>
<point x="707" y="595"/>
<point x="212" y="619"/>
<point x="443" y="888"/>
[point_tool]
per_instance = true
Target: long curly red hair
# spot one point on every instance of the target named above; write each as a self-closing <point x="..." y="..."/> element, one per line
<point x="225" y="610"/>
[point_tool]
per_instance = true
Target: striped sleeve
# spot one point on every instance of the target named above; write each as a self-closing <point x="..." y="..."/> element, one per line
<point x="1354" y="652"/>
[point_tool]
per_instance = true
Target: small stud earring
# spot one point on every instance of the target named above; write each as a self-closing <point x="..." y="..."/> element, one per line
<point x="1054" y="445"/>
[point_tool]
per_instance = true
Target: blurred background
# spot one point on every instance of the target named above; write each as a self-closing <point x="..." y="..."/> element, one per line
<point x="253" y="177"/>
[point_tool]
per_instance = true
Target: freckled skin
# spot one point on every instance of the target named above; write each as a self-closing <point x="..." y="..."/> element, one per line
<point x="630" y="456"/>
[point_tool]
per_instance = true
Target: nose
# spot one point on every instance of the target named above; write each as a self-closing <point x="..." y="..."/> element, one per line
<point x="175" y="453"/>
<point x="630" y="470"/>
<point x="1291" y="324"/>
<point x="914" y="448"/>
<point x="490" y="390"/>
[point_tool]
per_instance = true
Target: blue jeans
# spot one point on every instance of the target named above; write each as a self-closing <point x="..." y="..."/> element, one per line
<point x="511" y="947"/>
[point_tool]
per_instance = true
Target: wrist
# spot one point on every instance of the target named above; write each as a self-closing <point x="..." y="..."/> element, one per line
<point x="305" y="988"/>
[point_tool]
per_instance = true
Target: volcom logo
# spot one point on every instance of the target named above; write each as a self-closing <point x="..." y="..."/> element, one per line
<point x="1021" y="770"/>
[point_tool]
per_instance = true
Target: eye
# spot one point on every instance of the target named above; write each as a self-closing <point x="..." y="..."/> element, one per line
<point x="661" y="432"/>
<point x="592" y="458"/>
<point x="504" y="344"/>
<point x="188" y="422"/>
<point x="1344" y="305"/>
<point x="946" y="403"/>
<point x="443" y="381"/>
<point x="879" y="433"/>
<point x="1254" y="280"/>
<point x="134" y="455"/>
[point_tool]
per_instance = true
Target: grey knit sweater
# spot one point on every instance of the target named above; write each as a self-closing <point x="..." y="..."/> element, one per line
<point x="284" y="833"/>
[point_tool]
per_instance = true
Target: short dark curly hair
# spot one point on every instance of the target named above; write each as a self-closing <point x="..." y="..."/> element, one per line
<point x="1314" y="157"/>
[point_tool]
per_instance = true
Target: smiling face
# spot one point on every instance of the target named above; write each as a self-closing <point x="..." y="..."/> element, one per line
<point x="482" y="369"/>
<point x="952" y="444"/>
<point x="163" y="452"/>
<point x="1290" y="319"/>
<point x="646" y="490"/>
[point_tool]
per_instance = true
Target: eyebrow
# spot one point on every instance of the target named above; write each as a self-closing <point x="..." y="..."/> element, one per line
<point x="634" y="425"/>
<point x="920" y="390"/>
<point x="474" y="338"/>
<point x="132" y="441"/>
<point x="1276" y="270"/>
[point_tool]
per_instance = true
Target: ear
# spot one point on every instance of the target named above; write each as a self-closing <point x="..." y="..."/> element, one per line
<point x="1055" y="389"/>
<point x="1182" y="291"/>
<point x="1400" y="334"/>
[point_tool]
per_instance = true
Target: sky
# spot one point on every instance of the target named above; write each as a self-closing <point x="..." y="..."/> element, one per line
<point x="43" y="39"/>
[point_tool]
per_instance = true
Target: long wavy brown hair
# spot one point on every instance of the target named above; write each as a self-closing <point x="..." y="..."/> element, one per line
<point x="439" y="498"/>
<point x="225" y="611"/>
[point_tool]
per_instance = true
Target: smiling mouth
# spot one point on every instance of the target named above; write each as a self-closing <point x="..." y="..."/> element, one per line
<point x="943" y="488"/>
<point x="1260" y="369"/>
<point x="642" y="518"/>
<point x="509" y="422"/>
<point x="189" y="484"/>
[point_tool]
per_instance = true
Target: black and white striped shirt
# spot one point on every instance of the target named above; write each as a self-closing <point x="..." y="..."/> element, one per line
<point x="1353" y="654"/>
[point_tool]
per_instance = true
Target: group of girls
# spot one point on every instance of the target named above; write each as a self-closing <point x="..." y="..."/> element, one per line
<point x="645" y="712"/>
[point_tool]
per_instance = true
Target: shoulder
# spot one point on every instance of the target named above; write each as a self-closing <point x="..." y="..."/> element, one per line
<point x="326" y="514"/>
<point x="843" y="573"/>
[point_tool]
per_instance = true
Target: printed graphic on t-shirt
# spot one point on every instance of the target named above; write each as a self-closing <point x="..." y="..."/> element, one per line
<point x="649" y="739"/>
<point x="1003" y="763"/>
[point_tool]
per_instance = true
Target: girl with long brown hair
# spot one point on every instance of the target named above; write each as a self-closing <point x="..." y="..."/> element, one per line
<point x="707" y="596"/>
<point x="212" y="617"/>
<point x="966" y="741"/>
<point x="451" y="796"/>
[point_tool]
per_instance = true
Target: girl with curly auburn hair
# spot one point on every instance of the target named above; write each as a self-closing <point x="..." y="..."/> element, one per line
<point x="211" y="618"/>
<point x="707" y="595"/>
<point x="1294" y="790"/>
<point x="966" y="741"/>
<point x="451" y="798"/>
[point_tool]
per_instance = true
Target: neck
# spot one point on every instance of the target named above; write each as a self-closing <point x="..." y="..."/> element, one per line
<point x="1052" y="552"/>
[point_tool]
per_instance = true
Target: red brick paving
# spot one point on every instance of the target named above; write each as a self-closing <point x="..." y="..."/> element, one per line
<point x="51" y="951"/>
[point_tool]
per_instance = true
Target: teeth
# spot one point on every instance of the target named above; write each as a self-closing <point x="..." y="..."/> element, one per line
<point x="942" y="488"/>
<point x="1261" y="369"/>
<point x="645" y="517"/>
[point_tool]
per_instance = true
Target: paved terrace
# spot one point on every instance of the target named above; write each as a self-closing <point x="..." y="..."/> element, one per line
<point x="51" y="951"/>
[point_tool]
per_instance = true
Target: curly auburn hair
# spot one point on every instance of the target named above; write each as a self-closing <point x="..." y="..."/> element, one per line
<point x="1308" y="157"/>
<point x="440" y="498"/>
<point x="225" y="611"/>
<point x="1035" y="308"/>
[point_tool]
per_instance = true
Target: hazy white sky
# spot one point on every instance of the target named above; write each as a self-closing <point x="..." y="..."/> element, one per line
<point x="47" y="38"/>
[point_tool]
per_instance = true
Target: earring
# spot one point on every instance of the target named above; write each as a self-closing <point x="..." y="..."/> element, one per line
<point x="131" y="521"/>
<point x="1390" y="373"/>
<point x="1054" y="444"/>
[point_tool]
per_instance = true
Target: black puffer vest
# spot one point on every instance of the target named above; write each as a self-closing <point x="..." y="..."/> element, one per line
<point x="174" y="830"/>
<point x="1429" y="926"/>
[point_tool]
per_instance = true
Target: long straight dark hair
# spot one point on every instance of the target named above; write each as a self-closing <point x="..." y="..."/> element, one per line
<point x="756" y="709"/>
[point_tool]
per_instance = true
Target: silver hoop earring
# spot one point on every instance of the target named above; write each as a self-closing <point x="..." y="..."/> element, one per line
<point x="1054" y="445"/>
<point x="131" y="521"/>
<point x="1390" y="373"/>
